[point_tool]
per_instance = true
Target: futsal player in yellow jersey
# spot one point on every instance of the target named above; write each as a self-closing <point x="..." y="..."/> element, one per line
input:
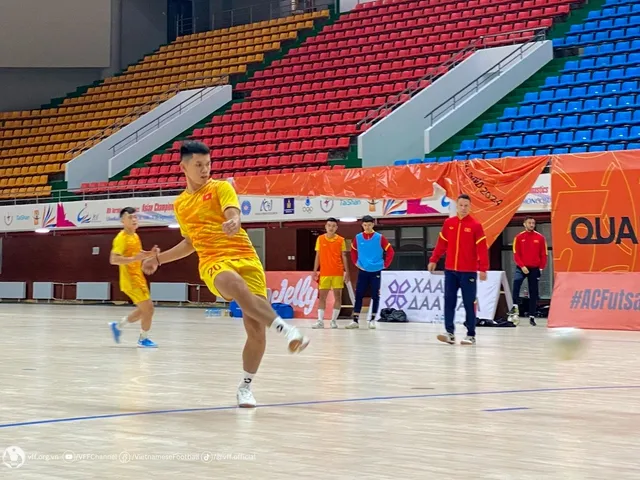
<point x="208" y="213"/>
<point x="127" y="253"/>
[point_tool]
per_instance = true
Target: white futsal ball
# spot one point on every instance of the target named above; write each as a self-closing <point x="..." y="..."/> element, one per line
<point x="567" y="343"/>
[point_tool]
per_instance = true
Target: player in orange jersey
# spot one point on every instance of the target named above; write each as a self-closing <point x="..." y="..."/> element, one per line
<point x="331" y="257"/>
<point x="127" y="253"/>
<point x="208" y="213"/>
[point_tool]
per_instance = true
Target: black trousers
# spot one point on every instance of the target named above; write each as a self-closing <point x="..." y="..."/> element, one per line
<point x="467" y="282"/>
<point x="366" y="280"/>
<point x="532" y="277"/>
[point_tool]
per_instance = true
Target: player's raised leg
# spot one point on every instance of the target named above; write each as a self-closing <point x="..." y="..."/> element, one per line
<point x="231" y="285"/>
<point x="252" y="355"/>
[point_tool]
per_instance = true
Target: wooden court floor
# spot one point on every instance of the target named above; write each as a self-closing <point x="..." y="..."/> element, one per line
<point x="389" y="403"/>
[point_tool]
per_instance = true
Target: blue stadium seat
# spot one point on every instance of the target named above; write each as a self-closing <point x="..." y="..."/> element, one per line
<point x="527" y="111"/>
<point x="560" y="151"/>
<point x="599" y="135"/>
<point x="536" y="125"/>
<point x="400" y="162"/>
<point x="548" y="139"/>
<point x="604" y="119"/>
<point x="578" y="150"/>
<point x="587" y="121"/>
<point x="574" y="106"/>
<point x="509" y="153"/>
<point x="548" y="95"/>
<point x="570" y="65"/>
<point x="531" y="141"/>
<point x="615" y="146"/>
<point x="543" y="151"/>
<point x="430" y="160"/>
<point x="505" y="127"/>
<point x="466" y="146"/>
<point x="460" y="157"/>
<point x="414" y="161"/>
<point x="619" y="133"/>
<point x="633" y="146"/>
<point x="530" y="97"/>
<point x="499" y="142"/>
<point x="597" y="148"/>
<point x="553" y="123"/>
<point x="489" y="128"/>
<point x="514" y="141"/>
<point x="509" y="112"/>
<point x="525" y="153"/>
<point x="623" y="118"/>
<point x="570" y="121"/>
<point x="539" y="110"/>
<point x="565" y="138"/>
<point x="444" y="159"/>
<point x="489" y="156"/>
<point x="520" y="125"/>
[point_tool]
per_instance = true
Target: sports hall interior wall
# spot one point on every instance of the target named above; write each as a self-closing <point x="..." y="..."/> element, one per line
<point x="67" y="256"/>
<point x="138" y="27"/>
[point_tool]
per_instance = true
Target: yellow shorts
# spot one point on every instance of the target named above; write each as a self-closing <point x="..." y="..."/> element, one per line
<point x="250" y="269"/>
<point x="137" y="294"/>
<point x="331" y="283"/>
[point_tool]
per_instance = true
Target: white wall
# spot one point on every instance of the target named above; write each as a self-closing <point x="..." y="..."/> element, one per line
<point x="400" y="135"/>
<point x="449" y="121"/>
<point x="110" y="157"/>
<point x="348" y="5"/>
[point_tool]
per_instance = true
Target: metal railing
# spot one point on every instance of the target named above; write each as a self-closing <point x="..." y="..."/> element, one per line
<point x="486" y="41"/>
<point x="487" y="76"/>
<point x="269" y="10"/>
<point x="155" y="124"/>
<point x="157" y="100"/>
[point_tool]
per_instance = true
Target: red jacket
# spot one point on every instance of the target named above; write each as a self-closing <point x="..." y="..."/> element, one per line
<point x="465" y="244"/>
<point x="530" y="250"/>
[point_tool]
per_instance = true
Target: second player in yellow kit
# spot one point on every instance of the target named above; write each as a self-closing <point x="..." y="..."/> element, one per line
<point x="128" y="254"/>
<point x="208" y="213"/>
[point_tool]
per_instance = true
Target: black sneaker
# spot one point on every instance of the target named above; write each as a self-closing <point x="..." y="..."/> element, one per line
<point x="449" y="338"/>
<point x="532" y="321"/>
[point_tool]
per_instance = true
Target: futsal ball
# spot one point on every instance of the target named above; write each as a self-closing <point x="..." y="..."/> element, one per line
<point x="567" y="343"/>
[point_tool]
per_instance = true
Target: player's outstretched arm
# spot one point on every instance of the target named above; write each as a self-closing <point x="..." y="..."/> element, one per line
<point x="117" y="259"/>
<point x="180" y="251"/>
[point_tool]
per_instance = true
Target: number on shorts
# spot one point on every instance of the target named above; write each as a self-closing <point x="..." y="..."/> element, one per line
<point x="215" y="268"/>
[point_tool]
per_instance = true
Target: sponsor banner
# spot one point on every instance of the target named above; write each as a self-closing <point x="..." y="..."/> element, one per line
<point x="603" y="301"/>
<point x="159" y="210"/>
<point x="420" y="295"/>
<point x="497" y="187"/>
<point x="298" y="290"/>
<point x="596" y="212"/>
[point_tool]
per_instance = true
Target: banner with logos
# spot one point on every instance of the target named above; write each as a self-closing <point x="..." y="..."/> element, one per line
<point x="420" y="294"/>
<point x="596" y="212"/>
<point x="159" y="210"/>
<point x="602" y="301"/>
<point x="299" y="290"/>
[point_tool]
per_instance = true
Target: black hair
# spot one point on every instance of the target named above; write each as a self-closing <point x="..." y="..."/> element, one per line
<point x="529" y="217"/>
<point x="129" y="210"/>
<point x="331" y="219"/>
<point x="367" y="219"/>
<point x="189" y="148"/>
<point x="464" y="196"/>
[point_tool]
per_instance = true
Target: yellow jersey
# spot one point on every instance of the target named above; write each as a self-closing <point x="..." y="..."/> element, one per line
<point x="200" y="215"/>
<point x="131" y="276"/>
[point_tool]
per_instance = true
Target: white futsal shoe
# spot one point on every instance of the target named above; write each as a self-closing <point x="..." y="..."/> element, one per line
<point x="296" y="340"/>
<point x="318" y="324"/>
<point x="353" y="325"/>
<point x="372" y="324"/>
<point x="245" y="398"/>
<point x="334" y="324"/>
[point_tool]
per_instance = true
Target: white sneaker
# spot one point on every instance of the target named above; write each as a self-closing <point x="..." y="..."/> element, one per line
<point x="334" y="324"/>
<point x="318" y="324"/>
<point x="372" y="324"/>
<point x="353" y="325"/>
<point x="245" y="398"/>
<point x="297" y="341"/>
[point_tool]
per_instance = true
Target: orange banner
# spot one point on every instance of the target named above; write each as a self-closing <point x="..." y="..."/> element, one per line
<point x="298" y="290"/>
<point x="603" y="301"/>
<point x="596" y="212"/>
<point x="496" y="187"/>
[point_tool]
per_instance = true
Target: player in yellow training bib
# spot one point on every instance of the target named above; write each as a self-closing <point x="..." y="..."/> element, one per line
<point x="208" y="213"/>
<point x="127" y="253"/>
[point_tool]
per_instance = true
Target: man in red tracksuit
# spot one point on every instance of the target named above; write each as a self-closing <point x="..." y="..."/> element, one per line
<point x="463" y="239"/>
<point x="530" y="255"/>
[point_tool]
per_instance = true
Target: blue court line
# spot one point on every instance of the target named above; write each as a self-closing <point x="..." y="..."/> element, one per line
<point x="507" y="409"/>
<point x="316" y="402"/>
